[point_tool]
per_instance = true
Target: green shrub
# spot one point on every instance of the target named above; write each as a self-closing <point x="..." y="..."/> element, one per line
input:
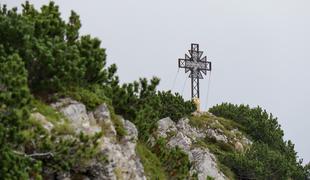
<point x="143" y="105"/>
<point x="153" y="167"/>
<point x="270" y="156"/>
<point x="260" y="125"/>
<point x="176" y="162"/>
<point x="83" y="95"/>
<point x="47" y="111"/>
<point x="69" y="154"/>
<point x="119" y="126"/>
<point x="259" y="162"/>
<point x="52" y="50"/>
<point x="174" y="106"/>
<point x="14" y="117"/>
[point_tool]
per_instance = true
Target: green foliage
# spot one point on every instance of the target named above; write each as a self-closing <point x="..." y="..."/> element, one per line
<point x="41" y="52"/>
<point x="260" y="162"/>
<point x="69" y="153"/>
<point x="174" y="106"/>
<point x="14" y="114"/>
<point x="219" y="144"/>
<point x="84" y="95"/>
<point x="140" y="102"/>
<point x="21" y="138"/>
<point x="260" y="125"/>
<point x="175" y="161"/>
<point x="153" y="167"/>
<point x="270" y="156"/>
<point x="54" y="54"/>
<point x="59" y="153"/>
<point x="119" y="127"/>
<point x="210" y="178"/>
<point x="47" y="111"/>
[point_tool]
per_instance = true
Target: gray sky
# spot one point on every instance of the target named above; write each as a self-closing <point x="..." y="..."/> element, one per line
<point x="260" y="49"/>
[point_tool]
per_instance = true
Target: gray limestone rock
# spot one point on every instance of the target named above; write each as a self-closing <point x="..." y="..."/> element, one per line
<point x="204" y="164"/>
<point x="42" y="120"/>
<point x="75" y="112"/>
<point x="122" y="160"/>
<point x="165" y="127"/>
<point x="184" y="136"/>
<point x="214" y="133"/>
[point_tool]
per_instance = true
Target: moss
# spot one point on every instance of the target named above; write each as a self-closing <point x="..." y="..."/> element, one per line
<point x="153" y="168"/>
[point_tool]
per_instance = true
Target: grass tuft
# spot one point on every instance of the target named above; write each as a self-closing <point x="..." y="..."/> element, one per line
<point x="152" y="166"/>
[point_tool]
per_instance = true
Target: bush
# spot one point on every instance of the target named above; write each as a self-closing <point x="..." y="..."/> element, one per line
<point x="270" y="156"/>
<point x="259" y="162"/>
<point x="142" y="104"/>
<point x="84" y="95"/>
<point x="176" y="162"/>
<point x="14" y="116"/>
<point x="153" y="167"/>
<point x="260" y="125"/>
<point x="52" y="50"/>
<point x="174" y="106"/>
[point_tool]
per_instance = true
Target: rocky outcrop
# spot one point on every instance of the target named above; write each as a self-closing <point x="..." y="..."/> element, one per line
<point x="121" y="162"/>
<point x="185" y="136"/>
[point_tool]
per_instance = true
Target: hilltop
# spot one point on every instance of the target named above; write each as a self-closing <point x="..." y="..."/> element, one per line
<point x="65" y="115"/>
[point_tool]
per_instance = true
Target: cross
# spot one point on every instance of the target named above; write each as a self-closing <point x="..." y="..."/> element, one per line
<point x="195" y="64"/>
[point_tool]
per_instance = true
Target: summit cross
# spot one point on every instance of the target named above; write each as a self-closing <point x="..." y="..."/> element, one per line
<point x="195" y="64"/>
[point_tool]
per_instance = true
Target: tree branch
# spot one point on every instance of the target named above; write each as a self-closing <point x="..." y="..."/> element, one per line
<point x="36" y="155"/>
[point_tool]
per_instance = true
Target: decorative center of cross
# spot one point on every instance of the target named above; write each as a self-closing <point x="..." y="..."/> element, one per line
<point x="195" y="64"/>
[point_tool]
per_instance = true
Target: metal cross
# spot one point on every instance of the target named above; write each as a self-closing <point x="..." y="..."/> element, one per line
<point x="195" y="64"/>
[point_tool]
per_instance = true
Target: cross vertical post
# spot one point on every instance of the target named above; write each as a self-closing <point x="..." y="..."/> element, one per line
<point x="195" y="64"/>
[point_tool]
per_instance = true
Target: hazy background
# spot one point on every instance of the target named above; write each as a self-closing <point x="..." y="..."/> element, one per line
<point x="259" y="49"/>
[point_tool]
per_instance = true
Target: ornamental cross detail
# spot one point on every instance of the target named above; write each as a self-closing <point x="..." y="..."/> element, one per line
<point x="195" y="64"/>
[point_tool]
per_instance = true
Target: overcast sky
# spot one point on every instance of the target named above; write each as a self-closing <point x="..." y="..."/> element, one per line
<point x="260" y="50"/>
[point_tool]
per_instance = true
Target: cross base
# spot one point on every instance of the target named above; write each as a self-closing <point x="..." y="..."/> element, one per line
<point x="197" y="103"/>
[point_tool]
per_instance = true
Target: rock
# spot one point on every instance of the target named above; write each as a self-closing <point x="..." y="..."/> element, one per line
<point x="239" y="147"/>
<point x="184" y="126"/>
<point x="92" y="120"/>
<point x="216" y="135"/>
<point x="42" y="120"/>
<point x="63" y="176"/>
<point x="122" y="161"/>
<point x="101" y="170"/>
<point x="102" y="113"/>
<point x="103" y="119"/>
<point x="165" y="126"/>
<point x="184" y="136"/>
<point x="245" y="141"/>
<point x="132" y="132"/>
<point x="204" y="164"/>
<point x="181" y="141"/>
<point x="75" y="112"/>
